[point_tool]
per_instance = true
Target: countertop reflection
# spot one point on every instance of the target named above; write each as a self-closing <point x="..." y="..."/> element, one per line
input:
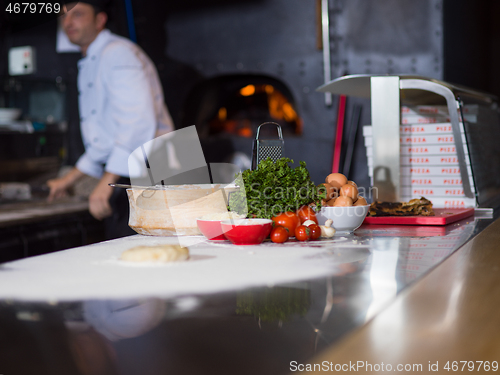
<point x="257" y="330"/>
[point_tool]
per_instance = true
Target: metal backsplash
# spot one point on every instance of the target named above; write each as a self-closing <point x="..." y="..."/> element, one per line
<point x="282" y="39"/>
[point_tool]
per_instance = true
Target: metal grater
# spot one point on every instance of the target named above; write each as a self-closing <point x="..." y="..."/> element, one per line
<point x="267" y="148"/>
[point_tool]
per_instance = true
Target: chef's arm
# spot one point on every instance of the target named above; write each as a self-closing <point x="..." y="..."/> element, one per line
<point x="59" y="186"/>
<point x="99" y="199"/>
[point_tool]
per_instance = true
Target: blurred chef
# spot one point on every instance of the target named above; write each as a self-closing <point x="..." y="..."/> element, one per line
<point x="121" y="107"/>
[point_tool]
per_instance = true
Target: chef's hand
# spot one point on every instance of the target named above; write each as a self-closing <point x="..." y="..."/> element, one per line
<point x="59" y="186"/>
<point x="99" y="199"/>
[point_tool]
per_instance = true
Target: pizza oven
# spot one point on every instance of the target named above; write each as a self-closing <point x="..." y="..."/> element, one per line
<point x="228" y="109"/>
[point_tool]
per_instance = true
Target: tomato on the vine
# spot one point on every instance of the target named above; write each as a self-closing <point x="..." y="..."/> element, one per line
<point x="306" y="213"/>
<point x="302" y="233"/>
<point x="279" y="234"/>
<point x="288" y="219"/>
<point x="315" y="231"/>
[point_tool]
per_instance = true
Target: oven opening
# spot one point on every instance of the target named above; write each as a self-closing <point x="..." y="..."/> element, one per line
<point x="235" y="105"/>
<point x="227" y="110"/>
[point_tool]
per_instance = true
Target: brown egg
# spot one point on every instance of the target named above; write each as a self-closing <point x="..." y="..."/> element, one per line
<point x="331" y="192"/>
<point x="361" y="202"/>
<point x="352" y="183"/>
<point x="343" y="201"/>
<point x="337" y="180"/>
<point x="349" y="190"/>
<point x="331" y="202"/>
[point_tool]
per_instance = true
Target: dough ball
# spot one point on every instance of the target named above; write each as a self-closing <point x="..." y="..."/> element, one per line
<point x="158" y="254"/>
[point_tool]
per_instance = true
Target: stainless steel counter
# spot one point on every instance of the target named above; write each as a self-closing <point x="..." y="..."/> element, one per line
<point x="39" y="210"/>
<point x="267" y="329"/>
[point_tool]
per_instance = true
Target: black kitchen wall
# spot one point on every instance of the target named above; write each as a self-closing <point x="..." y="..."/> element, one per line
<point x="472" y="44"/>
<point x="281" y="39"/>
<point x="190" y="41"/>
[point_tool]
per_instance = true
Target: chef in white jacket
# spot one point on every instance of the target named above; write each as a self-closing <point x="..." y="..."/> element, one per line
<point x="121" y="106"/>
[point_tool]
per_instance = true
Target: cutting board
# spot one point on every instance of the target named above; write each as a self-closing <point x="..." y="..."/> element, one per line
<point x="442" y="216"/>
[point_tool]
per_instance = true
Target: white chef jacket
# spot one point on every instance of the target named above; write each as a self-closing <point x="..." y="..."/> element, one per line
<point x="121" y="104"/>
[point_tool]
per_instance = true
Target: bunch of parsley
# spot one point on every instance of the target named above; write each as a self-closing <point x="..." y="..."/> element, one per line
<point x="273" y="188"/>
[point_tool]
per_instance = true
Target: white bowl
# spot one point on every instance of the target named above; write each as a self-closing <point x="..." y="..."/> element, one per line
<point x="345" y="219"/>
<point x="9" y="114"/>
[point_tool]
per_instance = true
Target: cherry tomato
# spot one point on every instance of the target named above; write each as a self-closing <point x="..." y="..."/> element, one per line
<point x="315" y="231"/>
<point x="289" y="220"/>
<point x="306" y="213"/>
<point x="302" y="233"/>
<point x="279" y="234"/>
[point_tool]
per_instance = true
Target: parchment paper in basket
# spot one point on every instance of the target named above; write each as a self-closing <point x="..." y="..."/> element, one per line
<point x="177" y="158"/>
<point x="224" y="178"/>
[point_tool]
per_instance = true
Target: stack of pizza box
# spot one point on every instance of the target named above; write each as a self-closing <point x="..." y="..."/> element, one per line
<point x="428" y="157"/>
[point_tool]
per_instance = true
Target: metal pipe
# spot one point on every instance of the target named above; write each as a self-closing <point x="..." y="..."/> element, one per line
<point x="130" y="21"/>
<point x="325" y="28"/>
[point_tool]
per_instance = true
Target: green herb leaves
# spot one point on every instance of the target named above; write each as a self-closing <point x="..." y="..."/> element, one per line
<point x="274" y="187"/>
